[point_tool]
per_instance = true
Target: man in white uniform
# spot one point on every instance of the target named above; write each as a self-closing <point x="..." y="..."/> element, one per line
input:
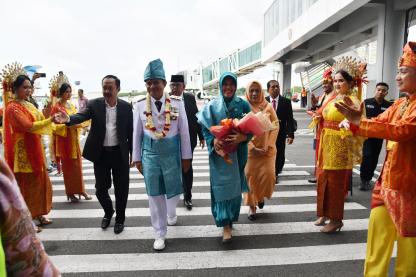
<point x="161" y="146"/>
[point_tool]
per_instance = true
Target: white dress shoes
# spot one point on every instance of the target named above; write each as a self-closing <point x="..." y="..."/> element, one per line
<point x="172" y="220"/>
<point x="159" y="244"/>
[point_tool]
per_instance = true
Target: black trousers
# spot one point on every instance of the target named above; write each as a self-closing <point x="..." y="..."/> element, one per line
<point x="187" y="180"/>
<point x="112" y="164"/>
<point x="371" y="151"/>
<point x="280" y="155"/>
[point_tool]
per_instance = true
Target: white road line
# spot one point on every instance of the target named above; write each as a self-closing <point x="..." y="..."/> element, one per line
<point x="137" y="175"/>
<point x="200" y="195"/>
<point x="135" y="185"/>
<point x="179" y="232"/>
<point x="356" y="171"/>
<point x="130" y="212"/>
<point x="209" y="259"/>
<point x="89" y="169"/>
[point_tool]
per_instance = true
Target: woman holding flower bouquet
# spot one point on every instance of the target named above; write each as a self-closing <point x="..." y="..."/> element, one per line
<point x="260" y="169"/>
<point x="227" y="178"/>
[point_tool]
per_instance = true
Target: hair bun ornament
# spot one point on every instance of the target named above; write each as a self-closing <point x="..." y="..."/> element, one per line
<point x="56" y="82"/>
<point x="54" y="85"/>
<point x="355" y="68"/>
<point x="9" y="75"/>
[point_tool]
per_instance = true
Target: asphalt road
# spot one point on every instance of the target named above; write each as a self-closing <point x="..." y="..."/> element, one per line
<point x="282" y="242"/>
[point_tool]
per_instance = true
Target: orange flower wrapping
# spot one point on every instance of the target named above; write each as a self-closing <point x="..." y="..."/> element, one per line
<point x="220" y="132"/>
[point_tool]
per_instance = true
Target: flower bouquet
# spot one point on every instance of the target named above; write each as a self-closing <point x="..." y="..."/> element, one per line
<point x="254" y="124"/>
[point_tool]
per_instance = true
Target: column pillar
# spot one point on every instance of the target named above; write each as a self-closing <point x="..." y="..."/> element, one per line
<point x="389" y="46"/>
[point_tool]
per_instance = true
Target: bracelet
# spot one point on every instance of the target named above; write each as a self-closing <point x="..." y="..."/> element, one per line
<point x="354" y="128"/>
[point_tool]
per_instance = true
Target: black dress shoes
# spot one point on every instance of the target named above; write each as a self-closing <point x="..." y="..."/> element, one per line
<point x="106" y="221"/>
<point x="260" y="205"/>
<point x="313" y="181"/>
<point x="364" y="185"/>
<point x="118" y="228"/>
<point x="188" y="204"/>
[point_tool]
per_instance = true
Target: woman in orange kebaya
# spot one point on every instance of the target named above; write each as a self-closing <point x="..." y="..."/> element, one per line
<point x="67" y="150"/>
<point x="260" y="167"/>
<point x="23" y="150"/>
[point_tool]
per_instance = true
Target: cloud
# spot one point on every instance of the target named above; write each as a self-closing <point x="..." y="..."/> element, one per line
<point x="89" y="39"/>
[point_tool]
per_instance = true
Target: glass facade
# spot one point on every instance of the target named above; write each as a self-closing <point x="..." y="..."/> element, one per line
<point x="250" y="54"/>
<point x="281" y="14"/>
<point x="232" y="62"/>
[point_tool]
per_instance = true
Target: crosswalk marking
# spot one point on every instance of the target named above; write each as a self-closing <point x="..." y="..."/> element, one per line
<point x="183" y="232"/>
<point x="199" y="195"/>
<point x="294" y="197"/>
<point x="295" y="208"/>
<point x="135" y="185"/>
<point x="137" y="175"/>
<point x="209" y="259"/>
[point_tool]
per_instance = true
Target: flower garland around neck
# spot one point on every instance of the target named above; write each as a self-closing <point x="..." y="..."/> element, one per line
<point x="149" y="122"/>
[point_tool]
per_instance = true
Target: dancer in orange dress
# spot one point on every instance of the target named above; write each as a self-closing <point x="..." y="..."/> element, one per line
<point x="66" y="148"/>
<point x="393" y="213"/>
<point x="23" y="149"/>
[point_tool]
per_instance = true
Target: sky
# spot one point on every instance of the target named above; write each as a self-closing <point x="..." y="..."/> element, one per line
<point x="88" y="39"/>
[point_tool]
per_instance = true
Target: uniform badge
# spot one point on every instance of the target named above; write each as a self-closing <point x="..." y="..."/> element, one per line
<point x="174" y="113"/>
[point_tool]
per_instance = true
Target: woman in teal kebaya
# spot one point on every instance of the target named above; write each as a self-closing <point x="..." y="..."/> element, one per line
<point x="228" y="181"/>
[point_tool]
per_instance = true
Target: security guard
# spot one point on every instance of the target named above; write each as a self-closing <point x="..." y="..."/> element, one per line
<point x="372" y="146"/>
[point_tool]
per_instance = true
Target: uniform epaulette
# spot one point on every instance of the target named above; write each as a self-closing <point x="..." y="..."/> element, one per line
<point x="141" y="99"/>
<point x="178" y="98"/>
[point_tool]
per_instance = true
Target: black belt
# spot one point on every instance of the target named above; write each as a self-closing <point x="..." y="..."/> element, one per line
<point x="111" y="148"/>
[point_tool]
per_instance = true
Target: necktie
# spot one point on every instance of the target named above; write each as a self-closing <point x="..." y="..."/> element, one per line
<point x="158" y="105"/>
<point x="274" y="104"/>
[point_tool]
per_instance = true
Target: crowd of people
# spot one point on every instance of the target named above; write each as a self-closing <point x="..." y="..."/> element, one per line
<point x="158" y="136"/>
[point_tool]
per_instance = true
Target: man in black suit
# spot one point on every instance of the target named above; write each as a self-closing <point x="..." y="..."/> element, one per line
<point x="177" y="86"/>
<point x="284" y="112"/>
<point x="108" y="146"/>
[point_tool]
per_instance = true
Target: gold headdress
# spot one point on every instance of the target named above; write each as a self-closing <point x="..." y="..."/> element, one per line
<point x="355" y="68"/>
<point x="54" y="85"/>
<point x="7" y="77"/>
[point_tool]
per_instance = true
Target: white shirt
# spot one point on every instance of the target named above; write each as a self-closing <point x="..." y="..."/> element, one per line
<point x="178" y="125"/>
<point x="275" y="99"/>
<point x="110" y="138"/>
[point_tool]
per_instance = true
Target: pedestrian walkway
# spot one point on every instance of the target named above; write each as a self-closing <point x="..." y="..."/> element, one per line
<point x="283" y="234"/>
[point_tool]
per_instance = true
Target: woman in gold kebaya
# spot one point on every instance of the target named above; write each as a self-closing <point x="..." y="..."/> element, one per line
<point x="339" y="150"/>
<point x="66" y="148"/>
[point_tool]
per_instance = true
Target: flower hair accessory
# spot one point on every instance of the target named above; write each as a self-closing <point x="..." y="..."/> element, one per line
<point x="355" y="68"/>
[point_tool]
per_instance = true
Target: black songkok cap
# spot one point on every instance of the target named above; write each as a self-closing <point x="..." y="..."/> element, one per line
<point x="177" y="79"/>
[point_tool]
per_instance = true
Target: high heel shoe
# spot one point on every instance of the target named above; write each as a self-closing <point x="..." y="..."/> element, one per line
<point x="43" y="220"/>
<point x="320" y="221"/>
<point x="72" y="198"/>
<point x="227" y="235"/>
<point x="332" y="227"/>
<point x="86" y="196"/>
<point x="252" y="213"/>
